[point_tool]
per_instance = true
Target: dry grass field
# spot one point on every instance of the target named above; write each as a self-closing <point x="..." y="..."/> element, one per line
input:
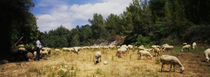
<point x="65" y="64"/>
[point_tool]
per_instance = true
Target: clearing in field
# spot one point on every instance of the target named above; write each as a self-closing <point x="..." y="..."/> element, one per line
<point x="65" y="64"/>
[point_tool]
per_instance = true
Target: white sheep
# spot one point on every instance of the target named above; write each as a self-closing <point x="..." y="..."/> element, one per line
<point x="207" y="53"/>
<point x="194" y="45"/>
<point x="43" y="52"/>
<point x="121" y="51"/>
<point x="186" y="46"/>
<point x="97" y="57"/>
<point x="155" y="46"/>
<point x="144" y="53"/>
<point x="66" y="49"/>
<point x="130" y="46"/>
<point x="57" y="50"/>
<point x="167" y="47"/>
<point x="172" y="60"/>
<point x="141" y="47"/>
<point x="124" y="46"/>
<point x="76" y="50"/>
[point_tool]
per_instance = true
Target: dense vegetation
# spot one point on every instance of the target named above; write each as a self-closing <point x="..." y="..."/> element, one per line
<point x="17" y="21"/>
<point x="143" y="22"/>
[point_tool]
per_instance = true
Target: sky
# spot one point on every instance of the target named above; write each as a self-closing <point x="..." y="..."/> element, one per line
<point x="51" y="14"/>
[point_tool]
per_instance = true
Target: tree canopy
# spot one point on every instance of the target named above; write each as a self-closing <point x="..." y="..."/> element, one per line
<point x="147" y="22"/>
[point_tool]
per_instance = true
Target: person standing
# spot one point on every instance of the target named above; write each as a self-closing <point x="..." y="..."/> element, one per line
<point x="38" y="47"/>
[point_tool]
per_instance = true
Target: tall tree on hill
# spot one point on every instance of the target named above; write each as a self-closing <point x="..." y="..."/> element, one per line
<point x="98" y="26"/>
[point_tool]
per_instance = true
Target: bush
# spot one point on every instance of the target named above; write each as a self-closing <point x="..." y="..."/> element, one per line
<point x="143" y="40"/>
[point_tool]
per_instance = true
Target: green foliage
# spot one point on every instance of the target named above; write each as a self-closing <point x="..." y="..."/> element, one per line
<point x="55" y="38"/>
<point x="61" y="73"/>
<point x="18" y="22"/>
<point x="142" y="40"/>
<point x="144" y="22"/>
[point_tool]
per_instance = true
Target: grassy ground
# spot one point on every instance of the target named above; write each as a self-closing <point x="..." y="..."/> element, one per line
<point x="65" y="64"/>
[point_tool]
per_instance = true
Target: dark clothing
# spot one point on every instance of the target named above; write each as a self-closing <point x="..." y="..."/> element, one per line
<point x="37" y="53"/>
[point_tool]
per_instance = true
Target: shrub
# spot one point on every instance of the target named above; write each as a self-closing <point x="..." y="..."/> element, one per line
<point x="143" y="40"/>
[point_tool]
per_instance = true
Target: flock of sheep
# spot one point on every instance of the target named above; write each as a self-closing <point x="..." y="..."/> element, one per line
<point x="142" y="51"/>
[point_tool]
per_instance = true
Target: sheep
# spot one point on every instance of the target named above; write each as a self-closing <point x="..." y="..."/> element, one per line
<point x="172" y="60"/>
<point x="130" y="46"/>
<point x="207" y="53"/>
<point x="66" y="49"/>
<point x="45" y="51"/>
<point x="21" y="47"/>
<point x="97" y="57"/>
<point x="144" y="53"/>
<point x="186" y="46"/>
<point x="42" y="53"/>
<point x="184" y="43"/>
<point x="124" y="46"/>
<point x="156" y="50"/>
<point x="194" y="45"/>
<point x="167" y="47"/>
<point x="141" y="47"/>
<point x="155" y="46"/>
<point x="57" y="50"/>
<point x="76" y="50"/>
<point x="121" y="51"/>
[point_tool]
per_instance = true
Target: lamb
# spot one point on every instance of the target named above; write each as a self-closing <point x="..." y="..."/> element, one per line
<point x="172" y="60"/>
<point x="207" y="53"/>
<point x="121" y="51"/>
<point x="186" y="46"/>
<point x="97" y="57"/>
<point x="194" y="45"/>
<point x="144" y="53"/>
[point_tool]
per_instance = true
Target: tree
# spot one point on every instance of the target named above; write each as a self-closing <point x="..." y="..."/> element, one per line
<point x="56" y="38"/>
<point x="16" y="16"/>
<point x="98" y="26"/>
